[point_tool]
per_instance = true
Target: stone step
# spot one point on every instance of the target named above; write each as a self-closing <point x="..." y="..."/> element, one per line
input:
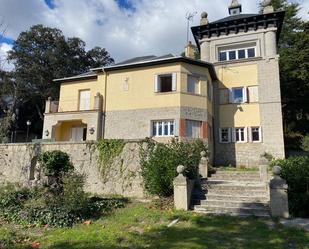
<point x="226" y="185"/>
<point x="238" y="173"/>
<point x="236" y="192"/>
<point x="218" y="197"/>
<point x="236" y="178"/>
<point x="234" y="204"/>
<point x="217" y="210"/>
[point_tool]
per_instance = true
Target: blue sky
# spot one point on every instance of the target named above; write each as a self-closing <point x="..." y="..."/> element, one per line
<point x="126" y="28"/>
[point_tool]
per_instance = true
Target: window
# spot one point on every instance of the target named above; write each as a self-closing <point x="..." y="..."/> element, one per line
<point x="236" y="54"/>
<point x="193" y="84"/>
<point x="240" y="135"/>
<point x="84" y="100"/>
<point x="165" y="83"/>
<point x="251" y="52"/>
<point x="224" y="135"/>
<point x="163" y="128"/>
<point x="256" y="134"/>
<point x="224" y="96"/>
<point x="193" y="128"/>
<point x="238" y="95"/>
<point x="253" y="94"/>
<point x="222" y="56"/>
<point x="241" y="54"/>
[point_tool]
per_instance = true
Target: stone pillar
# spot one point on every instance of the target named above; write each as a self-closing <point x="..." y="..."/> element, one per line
<point x="98" y="102"/>
<point x="278" y="195"/>
<point x="263" y="170"/>
<point x="182" y="190"/>
<point x="205" y="51"/>
<point x="203" y="166"/>
<point x="271" y="43"/>
<point x="48" y="105"/>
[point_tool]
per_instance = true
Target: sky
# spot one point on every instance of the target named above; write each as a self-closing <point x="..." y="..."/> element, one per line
<point x="126" y="28"/>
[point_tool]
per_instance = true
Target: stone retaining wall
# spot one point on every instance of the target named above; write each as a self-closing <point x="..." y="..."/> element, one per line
<point x="19" y="161"/>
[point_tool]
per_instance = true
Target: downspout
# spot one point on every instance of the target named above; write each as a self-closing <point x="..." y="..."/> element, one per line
<point x="104" y="103"/>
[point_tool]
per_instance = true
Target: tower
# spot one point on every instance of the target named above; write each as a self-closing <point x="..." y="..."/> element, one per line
<point x="248" y="116"/>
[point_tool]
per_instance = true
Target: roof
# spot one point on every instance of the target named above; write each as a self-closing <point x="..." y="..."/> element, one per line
<point x="87" y="75"/>
<point x="157" y="60"/>
<point x="234" y="17"/>
<point x="143" y="61"/>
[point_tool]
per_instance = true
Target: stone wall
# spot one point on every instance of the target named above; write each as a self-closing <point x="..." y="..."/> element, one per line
<point x="18" y="162"/>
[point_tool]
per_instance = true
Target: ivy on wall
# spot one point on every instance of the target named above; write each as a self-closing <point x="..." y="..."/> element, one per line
<point x="108" y="150"/>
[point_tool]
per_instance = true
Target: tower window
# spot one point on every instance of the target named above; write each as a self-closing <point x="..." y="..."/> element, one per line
<point x="237" y="54"/>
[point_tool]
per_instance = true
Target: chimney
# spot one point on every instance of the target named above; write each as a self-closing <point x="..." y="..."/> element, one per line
<point x="190" y="50"/>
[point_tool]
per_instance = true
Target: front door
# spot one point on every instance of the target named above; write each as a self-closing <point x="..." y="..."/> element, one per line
<point x="77" y="134"/>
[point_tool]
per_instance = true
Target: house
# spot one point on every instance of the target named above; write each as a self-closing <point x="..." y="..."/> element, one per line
<point x="230" y="98"/>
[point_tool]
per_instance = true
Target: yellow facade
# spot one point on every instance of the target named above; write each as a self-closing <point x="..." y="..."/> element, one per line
<point x="69" y="93"/>
<point x="140" y="92"/>
<point x="244" y="114"/>
<point x="63" y="130"/>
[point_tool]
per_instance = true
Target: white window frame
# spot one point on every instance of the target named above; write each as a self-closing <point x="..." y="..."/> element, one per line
<point x="244" y="95"/>
<point x="229" y="135"/>
<point x="157" y="83"/>
<point x="200" y="125"/>
<point x="245" y="135"/>
<point x="157" y="123"/>
<point x="260" y="134"/>
<point x="236" y="51"/>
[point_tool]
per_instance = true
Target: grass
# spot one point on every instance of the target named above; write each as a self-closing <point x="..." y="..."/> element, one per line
<point x="139" y="226"/>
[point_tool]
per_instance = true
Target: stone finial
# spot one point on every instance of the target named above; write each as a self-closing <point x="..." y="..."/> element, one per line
<point x="98" y="94"/>
<point x="203" y="153"/>
<point x="204" y="18"/>
<point x="267" y="7"/>
<point x="180" y="169"/>
<point x="277" y="170"/>
<point x="234" y="3"/>
<point x="49" y="99"/>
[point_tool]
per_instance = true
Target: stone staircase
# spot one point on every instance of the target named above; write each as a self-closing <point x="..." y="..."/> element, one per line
<point x="237" y="193"/>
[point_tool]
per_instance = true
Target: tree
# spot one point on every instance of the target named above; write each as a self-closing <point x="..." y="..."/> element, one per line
<point x="42" y="54"/>
<point x="294" y="68"/>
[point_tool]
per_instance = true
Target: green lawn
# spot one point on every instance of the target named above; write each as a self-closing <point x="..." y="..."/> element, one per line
<point x="138" y="226"/>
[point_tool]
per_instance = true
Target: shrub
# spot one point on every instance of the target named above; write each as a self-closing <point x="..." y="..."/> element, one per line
<point x="305" y="143"/>
<point x="295" y="170"/>
<point x="55" y="163"/>
<point x="159" y="162"/>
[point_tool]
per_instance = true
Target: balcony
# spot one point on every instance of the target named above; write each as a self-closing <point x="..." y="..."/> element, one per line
<point x="54" y="107"/>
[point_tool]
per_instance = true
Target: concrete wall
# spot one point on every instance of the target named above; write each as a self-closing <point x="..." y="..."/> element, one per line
<point x="123" y="178"/>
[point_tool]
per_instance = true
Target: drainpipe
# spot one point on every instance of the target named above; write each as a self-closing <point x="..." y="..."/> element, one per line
<point x="104" y="103"/>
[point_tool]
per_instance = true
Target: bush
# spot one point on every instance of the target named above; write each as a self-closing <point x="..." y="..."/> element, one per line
<point x="295" y="170"/>
<point x="55" y="163"/>
<point x="305" y="143"/>
<point x="159" y="162"/>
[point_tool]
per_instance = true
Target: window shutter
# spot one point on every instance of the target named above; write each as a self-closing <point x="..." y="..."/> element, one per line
<point x="174" y="82"/>
<point x="245" y="94"/>
<point x="261" y="137"/>
<point x="249" y="134"/>
<point x="156" y="84"/>
<point x="230" y="135"/>
<point x="176" y="127"/>
<point x="253" y="94"/>
<point x="233" y="135"/>
<point x="231" y="96"/>
<point x="246" y="134"/>
<point x="220" y="135"/>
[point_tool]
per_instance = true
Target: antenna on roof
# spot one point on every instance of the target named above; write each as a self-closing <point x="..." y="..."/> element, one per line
<point x="189" y="17"/>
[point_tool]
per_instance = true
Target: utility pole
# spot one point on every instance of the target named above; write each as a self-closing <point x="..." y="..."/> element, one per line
<point x="189" y="17"/>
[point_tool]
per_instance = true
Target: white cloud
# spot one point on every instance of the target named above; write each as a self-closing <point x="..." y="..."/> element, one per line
<point x="4" y="48"/>
<point x="155" y="27"/>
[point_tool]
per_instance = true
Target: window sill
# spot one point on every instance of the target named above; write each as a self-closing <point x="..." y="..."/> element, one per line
<point x="166" y="93"/>
<point x="194" y="94"/>
<point x="237" y="61"/>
